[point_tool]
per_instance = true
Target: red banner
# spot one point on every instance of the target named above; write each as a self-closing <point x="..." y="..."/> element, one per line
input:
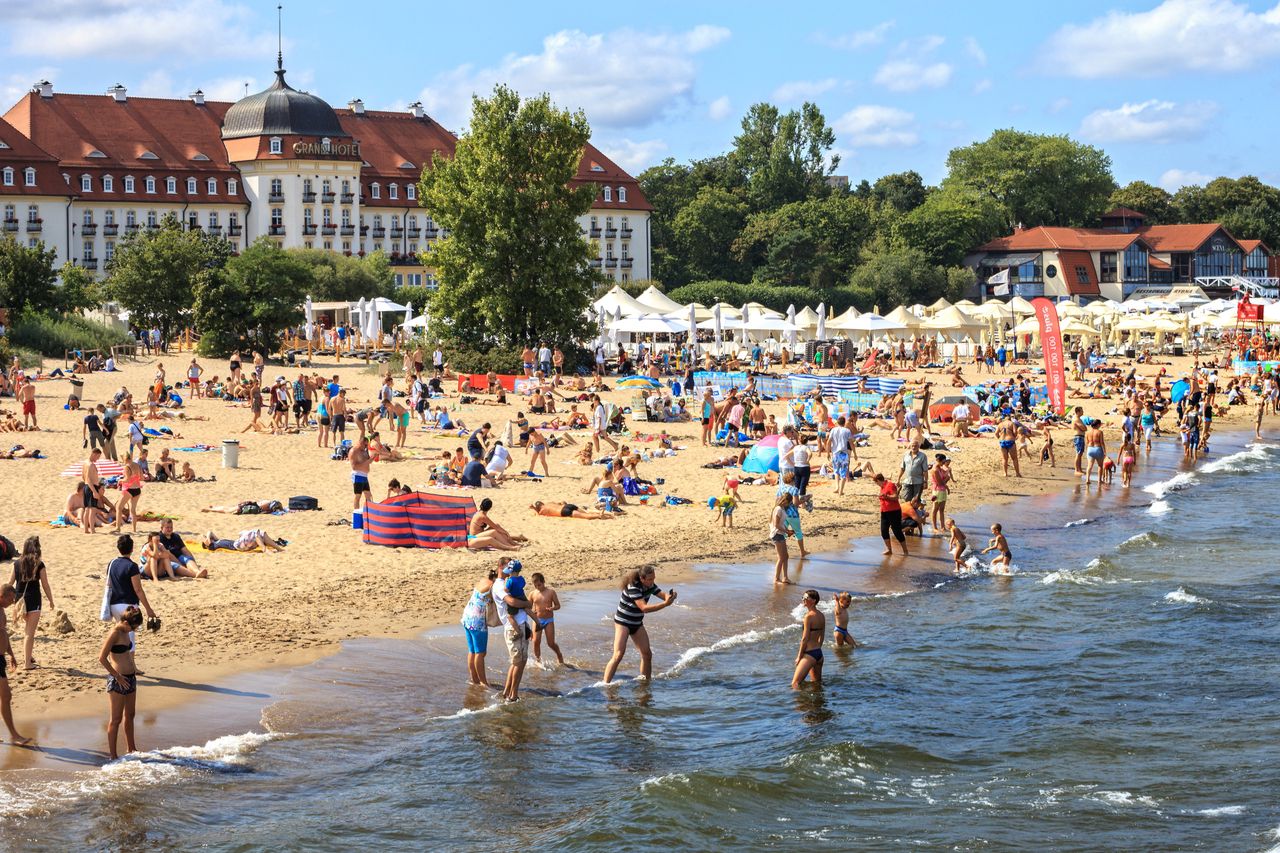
<point x="1247" y="311"/>
<point x="1054" y="359"/>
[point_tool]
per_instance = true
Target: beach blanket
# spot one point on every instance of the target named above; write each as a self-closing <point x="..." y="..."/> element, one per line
<point x="106" y="468"/>
<point x="196" y="448"/>
<point x="419" y="520"/>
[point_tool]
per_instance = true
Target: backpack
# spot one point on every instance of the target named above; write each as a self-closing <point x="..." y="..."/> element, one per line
<point x="303" y="502"/>
<point x="7" y="550"/>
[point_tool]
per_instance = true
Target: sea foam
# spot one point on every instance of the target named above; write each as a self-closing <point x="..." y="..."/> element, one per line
<point x="745" y="638"/>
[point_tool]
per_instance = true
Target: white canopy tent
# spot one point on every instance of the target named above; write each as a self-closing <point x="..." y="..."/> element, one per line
<point x="618" y="299"/>
<point x="807" y="318"/>
<point x="658" y="302"/>
<point x="700" y="312"/>
<point x="647" y="324"/>
<point x="904" y="318"/>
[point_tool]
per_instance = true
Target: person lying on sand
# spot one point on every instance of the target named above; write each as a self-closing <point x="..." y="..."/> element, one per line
<point x="248" y="540"/>
<point x="246" y="508"/>
<point x="560" y="509"/>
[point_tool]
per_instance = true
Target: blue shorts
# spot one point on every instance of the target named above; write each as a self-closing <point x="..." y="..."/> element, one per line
<point x="477" y="641"/>
<point x="1078" y="441"/>
<point x="841" y="463"/>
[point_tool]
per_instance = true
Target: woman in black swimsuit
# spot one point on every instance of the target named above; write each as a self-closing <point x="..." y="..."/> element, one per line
<point x="122" y="678"/>
<point x="29" y="580"/>
<point x="638" y="587"/>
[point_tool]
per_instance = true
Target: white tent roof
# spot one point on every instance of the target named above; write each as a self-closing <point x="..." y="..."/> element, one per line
<point x="758" y="310"/>
<point x="727" y="311"/>
<point x="383" y="305"/>
<point x="952" y="318"/>
<point x="726" y="322"/>
<point x="939" y="305"/>
<point x="419" y="322"/>
<point x="700" y="311"/>
<point x="904" y="318"/>
<point x="1019" y="305"/>
<point x="867" y="323"/>
<point x="618" y="298"/>
<point x="994" y="309"/>
<point x="649" y="324"/>
<point x="807" y="318"/>
<point x="658" y="301"/>
<point x="762" y="323"/>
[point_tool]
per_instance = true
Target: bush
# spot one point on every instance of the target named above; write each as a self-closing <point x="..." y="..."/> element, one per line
<point x="26" y="358"/>
<point x="771" y="296"/>
<point x="53" y="336"/>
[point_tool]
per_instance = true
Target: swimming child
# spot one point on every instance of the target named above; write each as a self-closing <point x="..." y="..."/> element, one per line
<point x="545" y="603"/>
<point x="841" y="636"/>
<point x="1002" y="563"/>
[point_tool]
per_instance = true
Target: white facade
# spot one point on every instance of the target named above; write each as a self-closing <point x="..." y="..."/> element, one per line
<point x="621" y="240"/>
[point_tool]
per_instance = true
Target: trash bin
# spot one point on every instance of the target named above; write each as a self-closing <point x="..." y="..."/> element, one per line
<point x="77" y="388"/>
<point x="230" y="453"/>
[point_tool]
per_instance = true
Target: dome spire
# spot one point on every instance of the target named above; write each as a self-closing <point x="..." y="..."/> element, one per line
<point x="280" y="42"/>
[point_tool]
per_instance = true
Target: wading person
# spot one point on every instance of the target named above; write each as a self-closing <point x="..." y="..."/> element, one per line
<point x="638" y="586"/>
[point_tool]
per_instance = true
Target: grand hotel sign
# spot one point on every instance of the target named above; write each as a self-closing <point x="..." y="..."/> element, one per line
<point x="327" y="149"/>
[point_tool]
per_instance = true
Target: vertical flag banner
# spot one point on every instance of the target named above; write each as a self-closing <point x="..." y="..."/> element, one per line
<point x="1054" y="359"/>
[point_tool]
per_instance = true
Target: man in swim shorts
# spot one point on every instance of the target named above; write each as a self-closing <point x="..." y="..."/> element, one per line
<point x="840" y="441"/>
<point x="545" y="603"/>
<point x="1077" y="440"/>
<point x="360" y="461"/>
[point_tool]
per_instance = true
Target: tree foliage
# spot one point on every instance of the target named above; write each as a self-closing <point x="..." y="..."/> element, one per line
<point x="903" y="191"/>
<point x="79" y="289"/>
<point x="514" y="267"/>
<point x="892" y="277"/>
<point x="337" y="277"/>
<point x="249" y="302"/>
<point x="812" y="243"/>
<point x="783" y="157"/>
<point x="779" y="298"/>
<point x="26" y="277"/>
<point x="705" y="229"/>
<point x="949" y="224"/>
<point x="1156" y="204"/>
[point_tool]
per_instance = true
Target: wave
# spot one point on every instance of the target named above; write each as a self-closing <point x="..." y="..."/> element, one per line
<point x="1176" y="483"/>
<point x="746" y="638"/>
<point x="1096" y="571"/>
<point x="225" y="755"/>
<point x="1223" y="811"/>
<point x="1255" y="457"/>
<point x="1123" y="798"/>
<point x="1181" y="596"/>
<point x="1140" y="540"/>
<point x="1078" y="522"/>
<point x="1159" y="508"/>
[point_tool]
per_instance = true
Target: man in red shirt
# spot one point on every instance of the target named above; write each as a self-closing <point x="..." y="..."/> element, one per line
<point x="890" y="514"/>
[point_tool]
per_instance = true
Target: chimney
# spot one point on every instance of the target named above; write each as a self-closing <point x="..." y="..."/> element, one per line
<point x="416" y="109"/>
<point x="45" y="88"/>
<point x="197" y="98"/>
<point x="356" y="106"/>
<point x="119" y="92"/>
<point x="1019" y="227"/>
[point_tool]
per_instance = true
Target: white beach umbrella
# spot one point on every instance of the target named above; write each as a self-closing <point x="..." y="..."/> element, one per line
<point x="309" y="314"/>
<point x="648" y="324"/>
<point x="692" y="330"/>
<point x="1020" y="306"/>
<point x="791" y="335"/>
<point x="359" y="323"/>
<point x="822" y="321"/>
<point x="715" y="320"/>
<point x="373" y="324"/>
<point x="408" y="313"/>
<point x="746" y="316"/>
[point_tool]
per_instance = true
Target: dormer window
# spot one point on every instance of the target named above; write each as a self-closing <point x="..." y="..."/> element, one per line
<point x="148" y="155"/>
<point x="171" y="185"/>
<point x="393" y="191"/>
<point x="596" y="167"/>
<point x="200" y="157"/>
<point x="128" y="183"/>
<point x="86" y="184"/>
<point x="411" y="192"/>
<point x="375" y="190"/>
<point x="622" y="195"/>
<point x="211" y="186"/>
<point x="608" y="193"/>
<point x="96" y="154"/>
<point x="30" y="177"/>
<point x="8" y="176"/>
<point x="108" y="184"/>
<point x="192" y="186"/>
<point x="233" y="186"/>
<point x="151" y="184"/>
<point x="276" y="146"/>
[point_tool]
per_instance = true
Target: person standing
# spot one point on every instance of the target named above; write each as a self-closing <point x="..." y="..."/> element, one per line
<point x="27" y="395"/>
<point x="360" y="462"/>
<point x="1079" y="428"/>
<point x="840" y="441"/>
<point x="778" y="533"/>
<point x="890" y="514"/>
<point x="515" y="628"/>
<point x="786" y="446"/>
<point x="708" y="416"/>
<point x="1096" y="448"/>
<point x="437" y="360"/>
<point x="194" y="372"/>
<point x="30" y="580"/>
<point x="940" y="479"/>
<point x="475" y="622"/>
<point x="1007" y="435"/>
<point x="122" y="677"/>
<point x="638" y="586"/>
<point x="813" y="628"/>
<point x="545" y="601"/>
<point x="600" y="424"/>
<point x="131" y="491"/>
<point x="544" y="359"/>
<point x="7" y="597"/>
<point x="91" y="433"/>
<point x="91" y="492"/>
<point x="800" y="461"/>
<point x="124" y="583"/>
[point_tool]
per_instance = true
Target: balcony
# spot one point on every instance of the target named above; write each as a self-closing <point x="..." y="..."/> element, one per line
<point x="626" y="233"/>
<point x="610" y="233"/>
<point x="328" y="229"/>
<point x="626" y="263"/>
<point x="327" y="197"/>
<point x="348" y="230"/>
<point x="215" y="230"/>
<point x="35" y="226"/>
<point x="110" y="229"/>
<point x="276" y="198"/>
<point x="379" y="232"/>
<point x="193" y="226"/>
<point x="308" y="229"/>
<point x="275" y="230"/>
<point x="397" y="259"/>
<point x="611" y="263"/>
<point x="131" y="228"/>
<point x="364" y="230"/>
<point x="308" y="198"/>
<point x="347" y="198"/>
<point x="415" y="233"/>
<point x="431" y="232"/>
<point x="594" y="232"/>
<point x="88" y="229"/>
<point x="89" y="263"/>
<point x="235" y="230"/>
<point x="397" y="233"/>
<point x="597" y="263"/>
<point x="11" y="225"/>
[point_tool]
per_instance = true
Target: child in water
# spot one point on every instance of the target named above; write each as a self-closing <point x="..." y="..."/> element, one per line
<point x="958" y="544"/>
<point x="545" y="604"/>
<point x="1002" y="564"/>
<point x="842" y="637"/>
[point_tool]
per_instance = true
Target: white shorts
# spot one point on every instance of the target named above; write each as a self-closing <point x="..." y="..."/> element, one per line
<point x="496" y="467"/>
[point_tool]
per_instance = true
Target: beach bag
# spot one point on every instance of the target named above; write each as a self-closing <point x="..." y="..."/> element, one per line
<point x="299" y="503"/>
<point x="105" y="613"/>
<point x="491" y="617"/>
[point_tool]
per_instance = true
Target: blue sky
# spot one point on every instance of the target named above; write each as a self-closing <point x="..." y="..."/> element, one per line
<point x="1176" y="91"/>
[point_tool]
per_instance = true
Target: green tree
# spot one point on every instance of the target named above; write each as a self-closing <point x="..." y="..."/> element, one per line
<point x="340" y="277"/>
<point x="669" y="187"/>
<point x="1245" y="206"/>
<point x="252" y="300"/>
<point x="783" y="157"/>
<point x="815" y="242"/>
<point x="904" y="191"/>
<point x="79" y="289"/>
<point x="1038" y="179"/>
<point x="514" y="267"/>
<point x="705" y="229"/>
<point x="155" y="273"/>
<point x="1154" y="203"/>
<point x="26" y="277"/>
<point x="950" y="224"/>
<point x="901" y="277"/>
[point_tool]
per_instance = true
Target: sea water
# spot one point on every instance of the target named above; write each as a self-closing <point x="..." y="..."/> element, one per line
<point x="1119" y="691"/>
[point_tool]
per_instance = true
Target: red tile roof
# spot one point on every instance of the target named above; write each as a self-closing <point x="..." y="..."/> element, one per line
<point x="20" y="154"/>
<point x="1044" y="237"/>
<point x="599" y="169"/>
<point x="1069" y="260"/>
<point x="1156" y="263"/>
<point x="1123" y="213"/>
<point x="388" y="141"/>
<point x="1180" y="238"/>
<point x="1249" y="245"/>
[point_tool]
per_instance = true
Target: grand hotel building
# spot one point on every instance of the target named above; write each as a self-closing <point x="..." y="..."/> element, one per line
<point x="80" y="172"/>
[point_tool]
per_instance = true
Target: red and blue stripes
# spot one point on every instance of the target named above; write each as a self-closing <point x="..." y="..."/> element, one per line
<point x="419" y="520"/>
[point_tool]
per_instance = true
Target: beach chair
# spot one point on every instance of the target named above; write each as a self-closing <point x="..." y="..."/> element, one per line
<point x="639" y="408"/>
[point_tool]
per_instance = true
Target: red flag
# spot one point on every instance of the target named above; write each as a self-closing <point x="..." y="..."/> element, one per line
<point x="1054" y="360"/>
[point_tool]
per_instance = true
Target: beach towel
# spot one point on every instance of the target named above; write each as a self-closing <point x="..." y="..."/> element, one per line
<point x="196" y="448"/>
<point x="106" y="468"/>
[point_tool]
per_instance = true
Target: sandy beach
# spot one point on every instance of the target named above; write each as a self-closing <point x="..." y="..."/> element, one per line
<point x="259" y="611"/>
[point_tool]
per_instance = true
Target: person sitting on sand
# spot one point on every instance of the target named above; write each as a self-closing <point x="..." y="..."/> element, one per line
<point x="187" y="474"/>
<point x="379" y="452"/>
<point x="484" y="532"/>
<point x="159" y="562"/>
<point x="560" y="509"/>
<point x="248" y="540"/>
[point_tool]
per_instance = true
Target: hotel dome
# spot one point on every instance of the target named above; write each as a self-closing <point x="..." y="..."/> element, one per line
<point x="281" y="110"/>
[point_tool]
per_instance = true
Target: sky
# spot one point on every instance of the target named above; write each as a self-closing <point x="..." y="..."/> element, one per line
<point x="1177" y="92"/>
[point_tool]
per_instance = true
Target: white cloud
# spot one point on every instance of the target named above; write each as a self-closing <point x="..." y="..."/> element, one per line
<point x="1175" y="36"/>
<point x="975" y="51"/>
<point x="1175" y="179"/>
<point x="1058" y="105"/>
<point x="859" y="38"/>
<point x="872" y="126"/>
<point x="719" y="109"/>
<point x="118" y="29"/>
<point x="231" y="88"/>
<point x="622" y="78"/>
<point x="982" y="85"/>
<point x="16" y="84"/>
<point x="1149" y="121"/>
<point x="634" y="155"/>
<point x="157" y="84"/>
<point x="803" y="90"/>
<point x="908" y="75"/>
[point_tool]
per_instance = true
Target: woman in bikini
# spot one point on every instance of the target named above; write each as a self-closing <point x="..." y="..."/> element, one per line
<point x="484" y="532"/>
<point x="122" y="678"/>
<point x="812" y="631"/>
<point x="131" y="487"/>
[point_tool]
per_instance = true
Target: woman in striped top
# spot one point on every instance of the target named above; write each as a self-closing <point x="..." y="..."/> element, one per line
<point x="638" y="587"/>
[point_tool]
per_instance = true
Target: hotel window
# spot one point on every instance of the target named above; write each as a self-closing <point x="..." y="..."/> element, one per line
<point x="235" y="247"/>
<point x="328" y="245"/>
<point x="87" y="219"/>
<point x="1082" y="275"/>
<point x="109" y="217"/>
<point x="130" y="218"/>
<point x="151" y="185"/>
<point x="10" y="213"/>
<point x="211" y="186"/>
<point x="171" y="185"/>
<point x="109" y="250"/>
<point x="325" y="187"/>
<point x="277" y="217"/>
<point x="377" y="247"/>
<point x="306" y="216"/>
<point x="1135" y="264"/>
<point x="377" y="220"/>
<point x="393" y="191"/>
<point x="86" y="184"/>
<point x="622" y="194"/>
<point x="413" y="248"/>
<point x="193" y="222"/>
<point x="328" y="216"/>
<point x="108" y="184"/>
<point x="308" y="245"/>
<point x="346" y="246"/>
<point x="1108" y="266"/>
<point x="608" y="193"/>
<point x="395" y="220"/>
<point x="233" y="186"/>
<point x="8" y="176"/>
<point x="128" y="183"/>
<point x="192" y="186"/>
<point x="346" y="217"/>
<point x="30" y="176"/>
<point x="33" y="213"/>
<point x="151" y="219"/>
<point x="375" y="190"/>
<point x="411" y="192"/>
<point x="626" y="250"/>
<point x="213" y="219"/>
<point x="233" y="220"/>
<point x="88" y="250"/>
<point x="277" y="186"/>
<point x="1030" y="271"/>
<point x="306" y="187"/>
<point x="276" y="147"/>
